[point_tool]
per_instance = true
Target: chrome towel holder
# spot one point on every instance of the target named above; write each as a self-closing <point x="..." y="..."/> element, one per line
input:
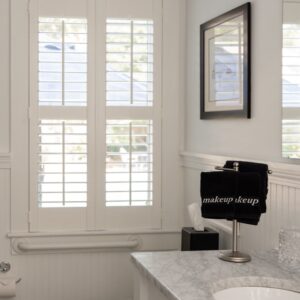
<point x="235" y="255"/>
<point x="227" y="169"/>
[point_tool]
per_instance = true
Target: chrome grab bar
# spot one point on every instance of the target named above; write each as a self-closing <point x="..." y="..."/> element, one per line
<point x="27" y="247"/>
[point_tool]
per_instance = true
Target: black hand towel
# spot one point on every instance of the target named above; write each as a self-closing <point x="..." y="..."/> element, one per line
<point x="262" y="169"/>
<point x="248" y="206"/>
<point x="231" y="195"/>
<point x="218" y="190"/>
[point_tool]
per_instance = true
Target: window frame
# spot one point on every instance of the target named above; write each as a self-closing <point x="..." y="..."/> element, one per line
<point x="97" y="216"/>
<point x="290" y="111"/>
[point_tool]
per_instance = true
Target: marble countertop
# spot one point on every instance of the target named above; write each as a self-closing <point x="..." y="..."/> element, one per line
<point x="197" y="275"/>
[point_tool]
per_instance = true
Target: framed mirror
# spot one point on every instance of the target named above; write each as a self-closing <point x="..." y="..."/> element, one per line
<point x="291" y="79"/>
<point x="225" y="65"/>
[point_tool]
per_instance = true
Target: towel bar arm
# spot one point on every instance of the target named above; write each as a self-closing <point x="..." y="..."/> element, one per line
<point x="227" y="169"/>
<point x="223" y="169"/>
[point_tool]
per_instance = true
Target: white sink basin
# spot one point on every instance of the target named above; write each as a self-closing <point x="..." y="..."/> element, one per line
<point x="255" y="293"/>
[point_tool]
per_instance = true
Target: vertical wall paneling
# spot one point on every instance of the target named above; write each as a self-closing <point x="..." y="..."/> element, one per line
<point x="283" y="212"/>
<point x="69" y="276"/>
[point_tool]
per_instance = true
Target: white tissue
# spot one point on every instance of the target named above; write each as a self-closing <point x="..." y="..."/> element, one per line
<point x="7" y="288"/>
<point x="195" y="216"/>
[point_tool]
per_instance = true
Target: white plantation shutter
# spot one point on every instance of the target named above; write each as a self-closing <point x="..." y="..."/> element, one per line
<point x="62" y="138"/>
<point x="133" y="122"/>
<point x="129" y="84"/>
<point x="95" y="116"/>
<point x="291" y="83"/>
<point x="59" y="125"/>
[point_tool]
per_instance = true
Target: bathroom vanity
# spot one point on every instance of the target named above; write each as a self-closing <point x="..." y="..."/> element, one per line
<point x="199" y="275"/>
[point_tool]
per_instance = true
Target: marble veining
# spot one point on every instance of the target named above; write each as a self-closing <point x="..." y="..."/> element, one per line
<point x="197" y="275"/>
<point x="289" y="245"/>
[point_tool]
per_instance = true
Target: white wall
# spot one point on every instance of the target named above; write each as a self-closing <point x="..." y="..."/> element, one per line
<point x="4" y="76"/>
<point x="260" y="137"/>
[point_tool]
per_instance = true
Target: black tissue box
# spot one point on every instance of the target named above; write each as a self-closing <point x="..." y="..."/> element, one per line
<point x="192" y="240"/>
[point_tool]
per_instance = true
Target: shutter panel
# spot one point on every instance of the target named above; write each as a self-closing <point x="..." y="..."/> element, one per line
<point x="129" y="83"/>
<point x="62" y="98"/>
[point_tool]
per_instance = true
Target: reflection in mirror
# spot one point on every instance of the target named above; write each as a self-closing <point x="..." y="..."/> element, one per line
<point x="291" y="79"/>
<point x="225" y="65"/>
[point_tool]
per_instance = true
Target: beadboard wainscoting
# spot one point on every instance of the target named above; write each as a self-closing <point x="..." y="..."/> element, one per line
<point x="77" y="274"/>
<point x="283" y="201"/>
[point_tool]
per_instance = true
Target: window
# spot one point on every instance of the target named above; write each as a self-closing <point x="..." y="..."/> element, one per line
<point x="95" y="140"/>
<point x="291" y="91"/>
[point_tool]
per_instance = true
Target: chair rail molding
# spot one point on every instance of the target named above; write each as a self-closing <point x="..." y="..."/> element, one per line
<point x="282" y="173"/>
<point x="5" y="161"/>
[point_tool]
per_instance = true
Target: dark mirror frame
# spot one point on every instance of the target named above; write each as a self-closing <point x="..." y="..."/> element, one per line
<point x="245" y="11"/>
